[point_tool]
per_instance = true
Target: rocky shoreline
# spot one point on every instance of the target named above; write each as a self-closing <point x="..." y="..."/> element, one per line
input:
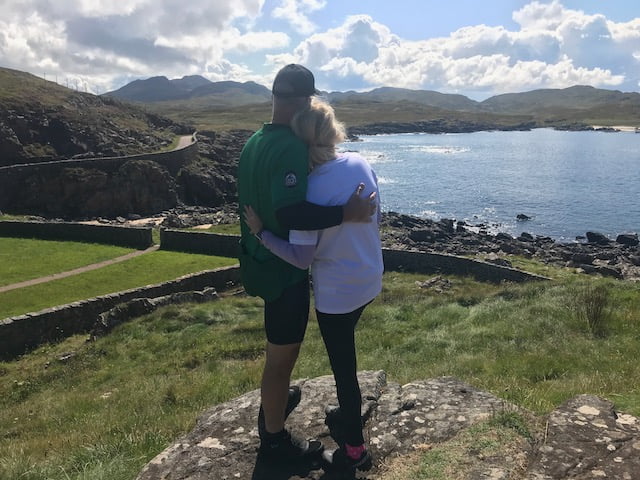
<point x="594" y="254"/>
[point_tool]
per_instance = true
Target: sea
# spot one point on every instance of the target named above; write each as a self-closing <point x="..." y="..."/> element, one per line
<point x="566" y="183"/>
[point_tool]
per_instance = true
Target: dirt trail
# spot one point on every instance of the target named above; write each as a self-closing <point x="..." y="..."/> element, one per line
<point x="76" y="271"/>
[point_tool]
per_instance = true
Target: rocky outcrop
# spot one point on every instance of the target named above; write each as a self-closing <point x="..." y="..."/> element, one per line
<point x="584" y="438"/>
<point x="598" y="254"/>
<point x="81" y="126"/>
<point x="212" y="180"/>
<point x="137" y="186"/>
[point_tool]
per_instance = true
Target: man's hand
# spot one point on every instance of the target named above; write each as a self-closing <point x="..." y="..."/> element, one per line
<point x="252" y="220"/>
<point x="359" y="209"/>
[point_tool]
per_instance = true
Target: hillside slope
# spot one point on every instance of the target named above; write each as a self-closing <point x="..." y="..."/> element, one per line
<point x="40" y="120"/>
<point x="192" y="91"/>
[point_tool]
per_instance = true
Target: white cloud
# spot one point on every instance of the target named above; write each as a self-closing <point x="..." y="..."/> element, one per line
<point x="295" y="12"/>
<point x="89" y="38"/>
<point x="554" y="48"/>
<point x="105" y="43"/>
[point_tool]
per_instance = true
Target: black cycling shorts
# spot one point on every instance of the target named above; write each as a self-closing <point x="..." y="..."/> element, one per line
<point x="286" y="318"/>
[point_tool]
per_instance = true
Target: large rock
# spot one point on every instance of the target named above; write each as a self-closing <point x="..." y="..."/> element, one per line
<point x="584" y="438"/>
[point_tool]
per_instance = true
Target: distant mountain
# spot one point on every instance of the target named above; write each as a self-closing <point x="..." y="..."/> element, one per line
<point x="421" y="97"/>
<point x="152" y="89"/>
<point x="578" y="97"/>
<point x="190" y="82"/>
<point x="192" y="89"/>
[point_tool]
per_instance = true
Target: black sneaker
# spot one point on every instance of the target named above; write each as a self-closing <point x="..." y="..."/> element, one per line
<point x="295" y="394"/>
<point x="338" y="459"/>
<point x="288" y="447"/>
<point x="333" y="420"/>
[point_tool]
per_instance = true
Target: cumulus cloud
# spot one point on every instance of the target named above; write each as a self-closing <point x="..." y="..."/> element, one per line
<point x="89" y="39"/>
<point x="296" y="13"/>
<point x="106" y="43"/>
<point x="554" y="47"/>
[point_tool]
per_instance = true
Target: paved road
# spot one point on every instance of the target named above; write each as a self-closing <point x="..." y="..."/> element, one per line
<point x="185" y="141"/>
<point x="86" y="268"/>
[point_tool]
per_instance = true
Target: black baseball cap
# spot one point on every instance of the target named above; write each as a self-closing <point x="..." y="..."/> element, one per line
<point x="294" y="80"/>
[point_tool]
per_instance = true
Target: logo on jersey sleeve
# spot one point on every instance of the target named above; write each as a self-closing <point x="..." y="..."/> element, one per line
<point x="290" y="180"/>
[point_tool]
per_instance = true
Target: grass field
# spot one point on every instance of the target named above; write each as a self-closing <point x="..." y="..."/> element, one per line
<point x="147" y="269"/>
<point x="122" y="399"/>
<point x="24" y="258"/>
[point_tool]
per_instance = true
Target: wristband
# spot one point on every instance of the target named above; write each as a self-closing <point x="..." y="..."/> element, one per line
<point x="259" y="235"/>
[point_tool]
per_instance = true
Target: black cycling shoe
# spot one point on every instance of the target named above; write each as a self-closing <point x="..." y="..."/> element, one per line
<point x="338" y="459"/>
<point x="285" y="446"/>
<point x="295" y="394"/>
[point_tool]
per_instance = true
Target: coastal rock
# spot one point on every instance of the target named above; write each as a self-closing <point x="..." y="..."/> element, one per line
<point x="628" y="239"/>
<point x="601" y="256"/>
<point x="582" y="438"/>
<point x="596" y="237"/>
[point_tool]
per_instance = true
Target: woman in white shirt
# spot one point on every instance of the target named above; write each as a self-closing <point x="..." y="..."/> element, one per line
<point x="346" y="265"/>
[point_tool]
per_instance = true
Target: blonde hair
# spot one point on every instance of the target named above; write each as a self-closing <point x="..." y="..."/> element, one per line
<point x="318" y="128"/>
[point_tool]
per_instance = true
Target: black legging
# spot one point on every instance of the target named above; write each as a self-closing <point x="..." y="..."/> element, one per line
<point x="338" y="334"/>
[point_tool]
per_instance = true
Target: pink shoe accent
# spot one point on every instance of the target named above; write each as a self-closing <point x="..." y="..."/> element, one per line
<point x="354" y="452"/>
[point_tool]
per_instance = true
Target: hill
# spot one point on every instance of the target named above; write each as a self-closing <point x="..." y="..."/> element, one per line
<point x="420" y="97"/>
<point x="230" y="105"/>
<point x="578" y="97"/>
<point x="41" y="120"/>
<point x="192" y="91"/>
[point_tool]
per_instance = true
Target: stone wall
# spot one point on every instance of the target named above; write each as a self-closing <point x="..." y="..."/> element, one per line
<point x="134" y="237"/>
<point x="394" y="260"/>
<point x="200" y="242"/>
<point x="22" y="333"/>
<point x="422" y="262"/>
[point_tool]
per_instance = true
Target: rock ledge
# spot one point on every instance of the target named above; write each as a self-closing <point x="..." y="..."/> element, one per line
<point x="584" y="438"/>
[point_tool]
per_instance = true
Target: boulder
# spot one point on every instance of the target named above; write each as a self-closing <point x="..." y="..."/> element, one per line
<point x="597" y="238"/>
<point x="628" y="239"/>
<point x="587" y="438"/>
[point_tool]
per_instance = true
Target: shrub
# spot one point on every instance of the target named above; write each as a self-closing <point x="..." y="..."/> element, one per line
<point x="592" y="306"/>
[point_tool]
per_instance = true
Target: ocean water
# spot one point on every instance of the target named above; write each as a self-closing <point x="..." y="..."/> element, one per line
<point x="567" y="182"/>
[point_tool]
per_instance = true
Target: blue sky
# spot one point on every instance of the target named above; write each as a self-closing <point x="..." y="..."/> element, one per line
<point x="472" y="47"/>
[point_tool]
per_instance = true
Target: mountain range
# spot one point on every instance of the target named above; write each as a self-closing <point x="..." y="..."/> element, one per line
<point x="190" y="91"/>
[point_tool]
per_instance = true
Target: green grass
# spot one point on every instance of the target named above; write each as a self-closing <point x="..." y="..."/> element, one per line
<point x="222" y="228"/>
<point x="147" y="269"/>
<point x="24" y="258"/>
<point x="122" y="399"/>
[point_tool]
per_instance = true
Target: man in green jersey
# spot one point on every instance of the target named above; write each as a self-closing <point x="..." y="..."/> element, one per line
<point x="272" y="178"/>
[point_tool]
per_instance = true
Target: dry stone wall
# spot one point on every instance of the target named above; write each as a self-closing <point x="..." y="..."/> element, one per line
<point x="22" y="333"/>
<point x="134" y="237"/>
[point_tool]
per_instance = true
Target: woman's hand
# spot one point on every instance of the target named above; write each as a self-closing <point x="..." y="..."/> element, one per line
<point x="252" y="220"/>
